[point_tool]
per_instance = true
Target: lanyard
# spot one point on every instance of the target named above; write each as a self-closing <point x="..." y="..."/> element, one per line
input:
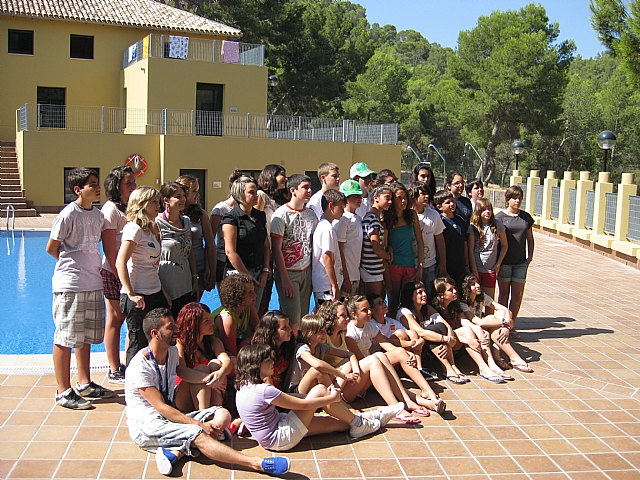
<point x="164" y="391"/>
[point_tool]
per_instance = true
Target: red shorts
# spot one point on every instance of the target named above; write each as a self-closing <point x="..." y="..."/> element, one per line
<point x="487" y="280"/>
<point x="400" y="274"/>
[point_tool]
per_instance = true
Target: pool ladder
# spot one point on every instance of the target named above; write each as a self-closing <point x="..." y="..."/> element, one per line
<point x="13" y="217"/>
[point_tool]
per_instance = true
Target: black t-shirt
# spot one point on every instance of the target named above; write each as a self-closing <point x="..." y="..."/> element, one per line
<point x="463" y="212"/>
<point x="252" y="233"/>
<point x="516" y="227"/>
<point x="454" y="238"/>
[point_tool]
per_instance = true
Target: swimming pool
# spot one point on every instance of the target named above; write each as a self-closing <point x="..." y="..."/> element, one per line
<point x="25" y="297"/>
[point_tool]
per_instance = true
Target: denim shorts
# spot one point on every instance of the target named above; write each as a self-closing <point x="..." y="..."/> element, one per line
<point x="513" y="273"/>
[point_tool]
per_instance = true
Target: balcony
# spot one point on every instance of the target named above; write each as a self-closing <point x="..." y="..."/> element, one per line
<point x="203" y="123"/>
<point x="194" y="49"/>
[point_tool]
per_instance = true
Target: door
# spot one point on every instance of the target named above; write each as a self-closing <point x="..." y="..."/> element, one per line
<point x="51" y="107"/>
<point x="209" y="109"/>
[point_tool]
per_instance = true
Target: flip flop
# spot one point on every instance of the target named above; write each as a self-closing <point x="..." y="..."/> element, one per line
<point x="407" y="420"/>
<point x="522" y="367"/>
<point x="421" y="412"/>
<point x="506" y="376"/>
<point x="456" y="379"/>
<point x="492" y="378"/>
<point x="502" y="364"/>
<point x="439" y="404"/>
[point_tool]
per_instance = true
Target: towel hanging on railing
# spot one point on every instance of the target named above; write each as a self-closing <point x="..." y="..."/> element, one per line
<point x="230" y="52"/>
<point x="133" y="52"/>
<point x="178" y="46"/>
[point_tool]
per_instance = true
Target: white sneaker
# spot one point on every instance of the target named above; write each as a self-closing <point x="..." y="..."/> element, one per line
<point x="385" y="414"/>
<point x="165" y="460"/>
<point x="368" y="426"/>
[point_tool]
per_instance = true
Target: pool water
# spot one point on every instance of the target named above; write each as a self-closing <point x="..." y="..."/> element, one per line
<point x="25" y="298"/>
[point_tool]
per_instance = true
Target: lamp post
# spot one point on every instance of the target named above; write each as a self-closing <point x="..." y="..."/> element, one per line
<point x="606" y="141"/>
<point x="518" y="149"/>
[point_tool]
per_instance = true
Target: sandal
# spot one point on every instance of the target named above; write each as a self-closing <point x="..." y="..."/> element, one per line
<point x="492" y="378"/>
<point x="440" y="405"/>
<point x="506" y="376"/>
<point x="407" y="420"/>
<point x="464" y="378"/>
<point x="421" y="412"/>
<point x="522" y="367"/>
<point x="501" y="363"/>
<point x="456" y="379"/>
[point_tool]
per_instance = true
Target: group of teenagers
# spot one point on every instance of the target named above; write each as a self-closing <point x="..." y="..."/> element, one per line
<point x="433" y="255"/>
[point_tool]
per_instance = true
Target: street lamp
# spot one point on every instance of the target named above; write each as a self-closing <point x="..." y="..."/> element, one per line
<point x="606" y="141"/>
<point x="272" y="81"/>
<point x="518" y="149"/>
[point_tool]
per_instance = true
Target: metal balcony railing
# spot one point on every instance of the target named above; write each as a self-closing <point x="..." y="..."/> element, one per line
<point x="205" y="123"/>
<point x="194" y="49"/>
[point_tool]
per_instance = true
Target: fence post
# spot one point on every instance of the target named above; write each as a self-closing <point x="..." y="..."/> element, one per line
<point x="603" y="186"/>
<point x="193" y="121"/>
<point x="299" y="126"/>
<point x="381" y="134"/>
<point x="566" y="184"/>
<point x="582" y="186"/>
<point x="532" y="182"/>
<point x="164" y="121"/>
<point x="39" y="120"/>
<point x="248" y="124"/>
<point x="102" y="119"/>
<point x="626" y="188"/>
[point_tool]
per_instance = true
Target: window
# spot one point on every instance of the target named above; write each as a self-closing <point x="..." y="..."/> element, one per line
<point x="69" y="196"/>
<point x="21" y="41"/>
<point x="81" y="46"/>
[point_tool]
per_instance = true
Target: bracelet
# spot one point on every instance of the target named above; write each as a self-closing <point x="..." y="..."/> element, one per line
<point x="266" y="270"/>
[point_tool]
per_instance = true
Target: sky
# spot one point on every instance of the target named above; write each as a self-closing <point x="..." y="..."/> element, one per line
<point x="440" y="21"/>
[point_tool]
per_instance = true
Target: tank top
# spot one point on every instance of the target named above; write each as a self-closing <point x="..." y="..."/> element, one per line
<point x="401" y="240"/>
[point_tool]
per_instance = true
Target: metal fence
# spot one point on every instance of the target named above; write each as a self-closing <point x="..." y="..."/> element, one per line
<point x="634" y="218"/>
<point x="537" y="205"/>
<point x="588" y="219"/>
<point x="611" y="201"/>
<point x="573" y="194"/>
<point x="555" y="203"/>
<point x="206" y="123"/>
<point x="196" y="49"/>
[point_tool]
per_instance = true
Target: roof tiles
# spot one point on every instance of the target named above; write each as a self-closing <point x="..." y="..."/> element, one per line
<point x="132" y="13"/>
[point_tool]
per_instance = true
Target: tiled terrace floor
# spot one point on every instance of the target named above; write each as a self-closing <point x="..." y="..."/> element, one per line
<point x="577" y="416"/>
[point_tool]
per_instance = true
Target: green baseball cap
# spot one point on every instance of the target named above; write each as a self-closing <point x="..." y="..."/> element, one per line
<point x="361" y="170"/>
<point x="350" y="187"/>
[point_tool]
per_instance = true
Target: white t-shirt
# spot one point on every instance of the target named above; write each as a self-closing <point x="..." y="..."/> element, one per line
<point x="349" y="231"/>
<point x="431" y="225"/>
<point x="301" y="367"/>
<point x="315" y="203"/>
<point x="295" y="227"/>
<point x="389" y="326"/>
<point x="363" y="336"/>
<point x="142" y="373"/>
<point x="364" y="207"/>
<point x="324" y="240"/>
<point x="79" y="262"/>
<point x="144" y="261"/>
<point x="220" y="209"/>
<point x="114" y="220"/>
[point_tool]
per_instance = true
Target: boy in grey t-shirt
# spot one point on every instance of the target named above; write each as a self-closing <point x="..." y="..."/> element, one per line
<point x="78" y="305"/>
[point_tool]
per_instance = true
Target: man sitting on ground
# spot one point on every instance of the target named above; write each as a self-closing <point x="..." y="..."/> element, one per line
<point x="155" y="424"/>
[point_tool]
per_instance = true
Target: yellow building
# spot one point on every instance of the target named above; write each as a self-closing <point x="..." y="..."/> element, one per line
<point x="93" y="82"/>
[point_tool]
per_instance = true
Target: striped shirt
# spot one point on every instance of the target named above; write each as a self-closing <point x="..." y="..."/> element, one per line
<point x="371" y="262"/>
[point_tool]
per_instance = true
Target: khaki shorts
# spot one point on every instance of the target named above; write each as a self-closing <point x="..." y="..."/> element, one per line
<point x="79" y="318"/>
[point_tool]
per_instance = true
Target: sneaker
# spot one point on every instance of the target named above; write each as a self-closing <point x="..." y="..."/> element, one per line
<point x="165" y="460"/>
<point x="70" y="399"/>
<point x="117" y="377"/>
<point x="95" y="391"/>
<point x="275" y="465"/>
<point x="369" y="425"/>
<point x="385" y="414"/>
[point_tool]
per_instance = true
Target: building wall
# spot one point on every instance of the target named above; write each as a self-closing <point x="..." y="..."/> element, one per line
<point x="44" y="155"/>
<point x="88" y="82"/>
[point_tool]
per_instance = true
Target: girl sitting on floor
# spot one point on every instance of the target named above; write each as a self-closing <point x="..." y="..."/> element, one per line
<point x="275" y="330"/>
<point x="498" y="325"/>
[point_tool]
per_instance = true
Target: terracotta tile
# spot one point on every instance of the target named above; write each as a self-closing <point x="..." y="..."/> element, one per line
<point x="87" y="450"/>
<point x="12" y="450"/>
<point x="341" y="468"/>
<point x="123" y="469"/>
<point x="622" y="444"/>
<point x="556" y="446"/>
<point x="93" y="434"/>
<point x="535" y="463"/>
<point x="26" y="418"/>
<point x="607" y="430"/>
<point x="410" y="449"/>
<point x="588" y="476"/>
<point x="18" y="432"/>
<point x="573" y="431"/>
<point x="474" y="433"/>
<point x="337" y="452"/>
<point x="5" y="467"/>
<point x="508" y="433"/>
<point x="529" y="418"/>
<point x="419" y="467"/>
<point x="588" y="417"/>
<point x="13" y="391"/>
<point x="632" y="429"/>
<point x="459" y="466"/>
<point x="572" y="463"/>
<point x="609" y="461"/>
<point x="374" y="450"/>
<point x="34" y="469"/>
<point x="122" y="435"/>
<point x="79" y="469"/>
<point x="62" y="416"/>
<point x="45" y="450"/>
<point x="382" y="468"/>
<point x="540" y="431"/>
<point x="496" y="465"/>
<point x="102" y="419"/>
<point x="200" y="470"/>
<point x="9" y="404"/>
<point x="437" y="433"/>
<point x="485" y="448"/>
<point x="44" y="392"/>
<point x="393" y="432"/>
<point x="126" y="451"/>
<point x="623" y="474"/>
